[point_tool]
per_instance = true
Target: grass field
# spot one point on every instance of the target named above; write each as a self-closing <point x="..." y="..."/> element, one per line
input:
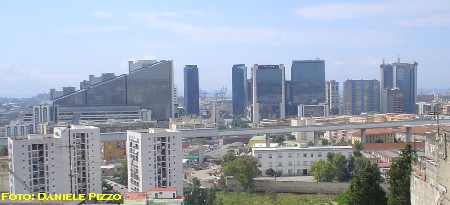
<point x="266" y="198"/>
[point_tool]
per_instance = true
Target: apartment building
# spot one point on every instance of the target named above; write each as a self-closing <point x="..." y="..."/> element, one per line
<point x="67" y="161"/>
<point x="154" y="159"/>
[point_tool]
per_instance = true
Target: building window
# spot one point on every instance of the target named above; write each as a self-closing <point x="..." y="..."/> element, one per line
<point x="320" y="154"/>
<point x="298" y="154"/>
<point x="280" y="155"/>
<point x="312" y="154"/>
<point x="280" y="164"/>
<point x="290" y="155"/>
<point x="259" y="155"/>
<point x="270" y="164"/>
<point x="305" y="163"/>
<point x="305" y="154"/>
<point x="270" y="156"/>
<point x="290" y="163"/>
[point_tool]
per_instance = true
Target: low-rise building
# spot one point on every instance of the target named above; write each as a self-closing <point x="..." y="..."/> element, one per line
<point x="294" y="161"/>
<point x="378" y="135"/>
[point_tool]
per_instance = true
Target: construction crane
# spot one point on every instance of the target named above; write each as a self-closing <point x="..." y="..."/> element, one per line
<point x="203" y="94"/>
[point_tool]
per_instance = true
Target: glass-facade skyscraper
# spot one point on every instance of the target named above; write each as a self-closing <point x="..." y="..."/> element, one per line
<point x="402" y="77"/>
<point x="268" y="91"/>
<point x="239" y="87"/>
<point x="308" y="82"/>
<point x="406" y="81"/>
<point x="361" y="96"/>
<point x="191" y="90"/>
<point x="149" y="86"/>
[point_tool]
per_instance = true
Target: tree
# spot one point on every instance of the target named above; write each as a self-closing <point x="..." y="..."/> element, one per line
<point x="310" y="143"/>
<point x="339" y="166"/>
<point x="124" y="172"/>
<point x="365" y="188"/>
<point x="324" y="142"/>
<point x="279" y="139"/>
<point x="270" y="172"/>
<point x="322" y="171"/>
<point x="4" y="151"/>
<point x="197" y="196"/>
<point x="357" y="145"/>
<point x="244" y="169"/>
<point x="399" y="176"/>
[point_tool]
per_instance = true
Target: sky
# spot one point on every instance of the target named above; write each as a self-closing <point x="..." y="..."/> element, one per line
<point x="51" y="44"/>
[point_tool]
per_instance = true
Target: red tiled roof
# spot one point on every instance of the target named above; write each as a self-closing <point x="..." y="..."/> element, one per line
<point x="401" y="145"/>
<point x="384" y="164"/>
<point x="135" y="195"/>
<point x="162" y="189"/>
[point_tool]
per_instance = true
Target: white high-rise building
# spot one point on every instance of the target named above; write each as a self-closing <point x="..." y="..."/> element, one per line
<point x="56" y="163"/>
<point x="154" y="159"/>
<point x="332" y="96"/>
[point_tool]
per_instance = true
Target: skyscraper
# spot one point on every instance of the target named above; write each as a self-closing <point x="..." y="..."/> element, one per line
<point x="406" y="81"/>
<point x="308" y="82"/>
<point x="268" y="92"/>
<point x="332" y="96"/>
<point x="191" y="90"/>
<point x="404" y="77"/>
<point x="361" y="96"/>
<point x="149" y="85"/>
<point x="239" y="87"/>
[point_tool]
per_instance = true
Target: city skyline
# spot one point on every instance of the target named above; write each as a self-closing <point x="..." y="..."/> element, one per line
<point x="60" y="44"/>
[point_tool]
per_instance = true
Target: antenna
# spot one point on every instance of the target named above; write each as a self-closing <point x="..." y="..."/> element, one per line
<point x="70" y="159"/>
<point x="398" y="58"/>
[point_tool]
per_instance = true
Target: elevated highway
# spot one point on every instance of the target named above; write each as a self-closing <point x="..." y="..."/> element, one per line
<point x="213" y="132"/>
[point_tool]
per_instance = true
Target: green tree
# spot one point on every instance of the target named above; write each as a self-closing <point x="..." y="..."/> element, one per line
<point x="244" y="169"/>
<point x="199" y="196"/>
<point x="310" y="143"/>
<point x="339" y="166"/>
<point x="324" y="142"/>
<point x="322" y="171"/>
<point x="357" y="145"/>
<point x="124" y="172"/>
<point x="279" y="139"/>
<point x="4" y="151"/>
<point x="365" y="188"/>
<point x="399" y="175"/>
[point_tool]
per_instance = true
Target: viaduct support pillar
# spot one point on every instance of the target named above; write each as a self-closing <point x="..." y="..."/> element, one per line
<point x="267" y="140"/>
<point x="316" y="138"/>
<point x="408" y="134"/>
<point x="363" y="135"/>
<point x="200" y="142"/>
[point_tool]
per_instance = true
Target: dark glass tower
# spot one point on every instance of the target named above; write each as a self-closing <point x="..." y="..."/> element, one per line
<point x="148" y="86"/>
<point x="361" y="96"/>
<point x="269" y="90"/>
<point x="239" y="86"/>
<point x="191" y="90"/>
<point x="406" y="81"/>
<point x="308" y="82"/>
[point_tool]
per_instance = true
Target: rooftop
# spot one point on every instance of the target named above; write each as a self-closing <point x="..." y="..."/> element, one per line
<point x="258" y="137"/>
<point x="302" y="148"/>
<point x="162" y="189"/>
<point x="135" y="195"/>
<point x="377" y="131"/>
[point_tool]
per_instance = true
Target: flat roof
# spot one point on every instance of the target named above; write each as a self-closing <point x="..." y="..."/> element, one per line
<point x="162" y="189"/>
<point x="258" y="137"/>
<point x="303" y="148"/>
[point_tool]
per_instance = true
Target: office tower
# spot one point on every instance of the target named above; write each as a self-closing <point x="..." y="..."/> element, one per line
<point x="404" y="77"/>
<point x="391" y="100"/>
<point x="154" y="160"/>
<point x="45" y="113"/>
<point x="268" y="92"/>
<point x="239" y="87"/>
<point x="361" y="96"/>
<point x="308" y="82"/>
<point x="332" y="96"/>
<point x="149" y="85"/>
<point x="191" y="90"/>
<point x="67" y="161"/>
<point x="406" y="81"/>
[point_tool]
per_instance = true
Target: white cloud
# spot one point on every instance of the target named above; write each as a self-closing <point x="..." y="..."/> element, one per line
<point x="78" y="30"/>
<point x="400" y="12"/>
<point x="102" y="14"/>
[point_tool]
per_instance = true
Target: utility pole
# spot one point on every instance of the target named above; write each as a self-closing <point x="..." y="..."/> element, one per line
<point x="70" y="160"/>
